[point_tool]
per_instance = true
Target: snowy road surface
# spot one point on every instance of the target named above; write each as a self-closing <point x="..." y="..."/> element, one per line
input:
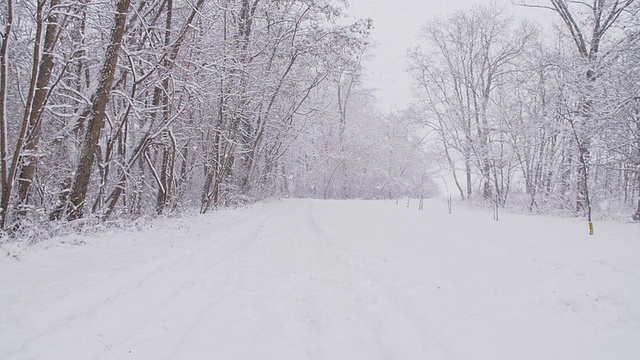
<point x="306" y="279"/>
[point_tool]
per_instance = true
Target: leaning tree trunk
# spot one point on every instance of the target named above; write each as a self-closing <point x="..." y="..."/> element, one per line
<point x="168" y="59"/>
<point x="95" y="114"/>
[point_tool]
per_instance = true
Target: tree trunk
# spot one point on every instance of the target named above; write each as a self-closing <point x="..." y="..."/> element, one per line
<point x="487" y="192"/>
<point x="467" y="169"/>
<point x="113" y="198"/>
<point x="6" y="182"/>
<point x="25" y="120"/>
<point x="41" y="92"/>
<point x="163" y="188"/>
<point x="636" y="216"/>
<point x="453" y="168"/>
<point x="582" y="200"/>
<point x="95" y="114"/>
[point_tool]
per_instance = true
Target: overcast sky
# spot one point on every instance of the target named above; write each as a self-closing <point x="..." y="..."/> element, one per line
<point x="397" y="24"/>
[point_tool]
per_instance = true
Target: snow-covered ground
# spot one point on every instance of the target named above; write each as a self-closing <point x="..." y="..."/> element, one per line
<point x="309" y="279"/>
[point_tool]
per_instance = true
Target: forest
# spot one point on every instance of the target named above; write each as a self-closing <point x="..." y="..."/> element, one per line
<point x="119" y="110"/>
<point x="550" y="118"/>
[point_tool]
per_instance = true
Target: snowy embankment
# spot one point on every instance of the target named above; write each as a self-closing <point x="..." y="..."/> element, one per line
<point x="304" y="279"/>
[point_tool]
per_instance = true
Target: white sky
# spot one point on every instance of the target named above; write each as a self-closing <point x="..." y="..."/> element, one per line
<point x="397" y="24"/>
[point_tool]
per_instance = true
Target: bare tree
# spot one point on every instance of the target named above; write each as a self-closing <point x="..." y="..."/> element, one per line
<point x="588" y="35"/>
<point x="466" y="60"/>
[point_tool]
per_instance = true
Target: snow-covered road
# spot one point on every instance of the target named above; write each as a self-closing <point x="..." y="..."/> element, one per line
<point x="308" y="279"/>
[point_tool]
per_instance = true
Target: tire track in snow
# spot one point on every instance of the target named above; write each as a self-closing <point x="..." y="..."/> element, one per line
<point x="195" y="291"/>
<point x="133" y="296"/>
<point x="371" y="299"/>
<point x="211" y="284"/>
<point x="282" y="270"/>
<point x="248" y="279"/>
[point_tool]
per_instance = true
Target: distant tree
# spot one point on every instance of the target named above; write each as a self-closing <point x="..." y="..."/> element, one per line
<point x="466" y="59"/>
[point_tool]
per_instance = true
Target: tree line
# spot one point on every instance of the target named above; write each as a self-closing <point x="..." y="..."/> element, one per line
<point x="549" y="119"/>
<point x="130" y="108"/>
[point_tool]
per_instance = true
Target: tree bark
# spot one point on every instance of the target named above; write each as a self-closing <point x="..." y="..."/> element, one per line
<point x="467" y="170"/>
<point x="168" y="59"/>
<point x="95" y="114"/>
<point x="453" y="168"/>
<point x="163" y="188"/>
<point x="34" y="114"/>
<point x="6" y="181"/>
<point x="636" y="216"/>
<point x="7" y="191"/>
